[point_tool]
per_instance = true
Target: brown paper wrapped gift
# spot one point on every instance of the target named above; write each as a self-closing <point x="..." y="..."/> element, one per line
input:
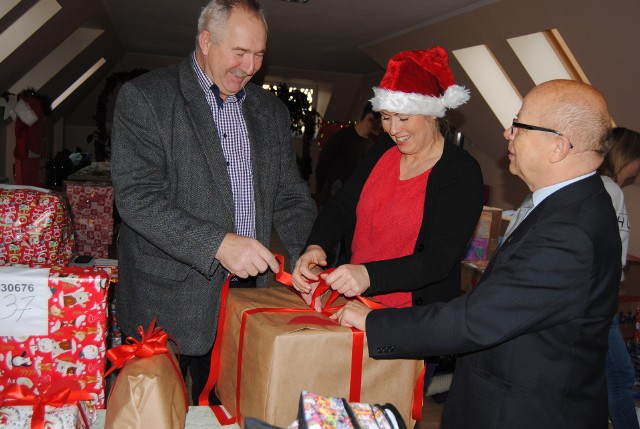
<point x="287" y="348"/>
<point x="149" y="391"/>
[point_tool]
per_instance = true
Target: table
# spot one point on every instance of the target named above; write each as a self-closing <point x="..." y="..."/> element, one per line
<point x="197" y="418"/>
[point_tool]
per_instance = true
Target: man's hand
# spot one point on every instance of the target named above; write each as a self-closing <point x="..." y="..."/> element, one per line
<point x="350" y="280"/>
<point x="353" y="315"/>
<point x="307" y="268"/>
<point x="245" y="257"/>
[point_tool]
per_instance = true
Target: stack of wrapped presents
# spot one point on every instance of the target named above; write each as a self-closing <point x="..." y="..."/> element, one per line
<point x="92" y="212"/>
<point x="53" y="317"/>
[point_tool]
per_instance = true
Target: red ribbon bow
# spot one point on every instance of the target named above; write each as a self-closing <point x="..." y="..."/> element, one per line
<point x="153" y="342"/>
<point x="17" y="394"/>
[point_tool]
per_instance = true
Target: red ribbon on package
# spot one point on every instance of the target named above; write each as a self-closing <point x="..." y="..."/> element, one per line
<point x="15" y="395"/>
<point x="153" y="342"/>
<point x="356" y="352"/>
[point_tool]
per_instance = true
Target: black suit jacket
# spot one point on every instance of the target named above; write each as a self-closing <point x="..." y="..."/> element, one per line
<point x="533" y="334"/>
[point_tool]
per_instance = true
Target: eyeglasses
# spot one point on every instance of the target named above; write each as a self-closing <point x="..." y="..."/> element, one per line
<point x="515" y="124"/>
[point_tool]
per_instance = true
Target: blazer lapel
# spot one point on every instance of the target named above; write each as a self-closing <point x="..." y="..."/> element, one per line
<point x="206" y="136"/>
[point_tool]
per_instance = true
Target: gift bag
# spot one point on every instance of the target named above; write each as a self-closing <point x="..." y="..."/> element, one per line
<point x="149" y="391"/>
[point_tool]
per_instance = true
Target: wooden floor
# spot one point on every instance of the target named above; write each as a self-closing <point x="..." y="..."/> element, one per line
<point x="431" y="412"/>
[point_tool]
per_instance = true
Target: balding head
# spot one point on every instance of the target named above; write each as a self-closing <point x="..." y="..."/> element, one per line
<point x="570" y="124"/>
<point x="579" y="110"/>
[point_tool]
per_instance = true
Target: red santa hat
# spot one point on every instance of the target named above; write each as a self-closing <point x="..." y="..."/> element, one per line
<point x="419" y="82"/>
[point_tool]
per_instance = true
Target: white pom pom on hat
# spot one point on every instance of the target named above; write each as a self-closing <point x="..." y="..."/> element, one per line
<point x="419" y="82"/>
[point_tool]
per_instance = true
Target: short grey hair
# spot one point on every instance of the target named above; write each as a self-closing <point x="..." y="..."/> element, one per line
<point x="215" y="14"/>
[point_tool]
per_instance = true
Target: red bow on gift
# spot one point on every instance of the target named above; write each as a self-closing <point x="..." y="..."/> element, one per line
<point x="17" y="394"/>
<point x="153" y="342"/>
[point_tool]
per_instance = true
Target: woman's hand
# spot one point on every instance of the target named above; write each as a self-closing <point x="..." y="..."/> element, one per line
<point x="308" y="266"/>
<point x="349" y="280"/>
<point x="353" y="315"/>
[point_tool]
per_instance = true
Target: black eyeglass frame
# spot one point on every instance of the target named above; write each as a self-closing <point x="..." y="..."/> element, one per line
<point x="515" y="124"/>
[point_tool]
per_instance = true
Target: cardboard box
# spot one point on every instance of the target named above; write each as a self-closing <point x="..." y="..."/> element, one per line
<point x="484" y="240"/>
<point x="35" y="227"/>
<point x="74" y="349"/>
<point x="627" y="306"/>
<point x="471" y="274"/>
<point x="274" y="347"/>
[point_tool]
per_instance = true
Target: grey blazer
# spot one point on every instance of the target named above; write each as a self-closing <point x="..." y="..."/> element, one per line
<point x="173" y="194"/>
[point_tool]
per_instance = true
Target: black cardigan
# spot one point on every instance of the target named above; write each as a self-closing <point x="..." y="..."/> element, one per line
<point x="452" y="207"/>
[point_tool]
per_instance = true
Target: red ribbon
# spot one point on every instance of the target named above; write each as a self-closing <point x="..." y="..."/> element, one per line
<point x="153" y="342"/>
<point x="15" y="395"/>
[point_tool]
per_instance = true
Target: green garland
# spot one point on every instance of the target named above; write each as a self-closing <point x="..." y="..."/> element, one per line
<point x="46" y="101"/>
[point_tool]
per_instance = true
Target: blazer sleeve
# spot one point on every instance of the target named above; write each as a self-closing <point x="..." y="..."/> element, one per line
<point x="541" y="283"/>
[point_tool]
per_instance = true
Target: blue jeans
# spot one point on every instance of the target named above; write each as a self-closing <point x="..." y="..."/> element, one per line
<point x="620" y="378"/>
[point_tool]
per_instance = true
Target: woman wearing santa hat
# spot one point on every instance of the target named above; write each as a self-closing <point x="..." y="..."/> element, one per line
<point x="411" y="207"/>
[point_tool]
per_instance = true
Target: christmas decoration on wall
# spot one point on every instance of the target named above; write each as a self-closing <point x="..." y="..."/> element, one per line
<point x="101" y="137"/>
<point x="30" y="152"/>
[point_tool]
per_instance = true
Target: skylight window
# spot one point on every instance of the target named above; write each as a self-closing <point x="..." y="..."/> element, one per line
<point x="6" y="6"/>
<point x="26" y="25"/>
<point x="494" y="85"/>
<point x="57" y="59"/>
<point x="86" y="75"/>
<point x="546" y="56"/>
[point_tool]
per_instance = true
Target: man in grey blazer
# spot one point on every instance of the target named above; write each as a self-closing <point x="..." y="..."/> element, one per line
<point x="532" y="336"/>
<point x="203" y="168"/>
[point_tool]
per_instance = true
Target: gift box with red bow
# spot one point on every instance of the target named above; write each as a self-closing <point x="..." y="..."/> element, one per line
<point x="274" y="346"/>
<point x="149" y="388"/>
<point x="73" y="321"/>
<point x="35" y="227"/>
<point x="45" y="407"/>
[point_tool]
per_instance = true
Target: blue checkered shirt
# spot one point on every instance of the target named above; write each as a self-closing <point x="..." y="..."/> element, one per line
<point x="232" y="130"/>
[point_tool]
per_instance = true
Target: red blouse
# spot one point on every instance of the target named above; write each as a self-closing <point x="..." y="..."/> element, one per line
<point x="389" y="217"/>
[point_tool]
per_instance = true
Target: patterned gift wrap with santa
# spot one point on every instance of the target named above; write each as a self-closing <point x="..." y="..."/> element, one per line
<point x="35" y="227"/>
<point x="53" y="325"/>
<point x="92" y="210"/>
<point x="274" y="347"/>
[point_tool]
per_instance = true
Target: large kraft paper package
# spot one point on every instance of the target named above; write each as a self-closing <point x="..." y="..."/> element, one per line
<point x="149" y="392"/>
<point x="285" y="353"/>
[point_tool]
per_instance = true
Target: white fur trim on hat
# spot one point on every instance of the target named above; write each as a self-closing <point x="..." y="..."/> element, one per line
<point x="419" y="104"/>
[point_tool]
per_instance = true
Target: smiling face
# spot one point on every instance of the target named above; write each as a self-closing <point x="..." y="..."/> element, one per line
<point x="412" y="134"/>
<point x="235" y="53"/>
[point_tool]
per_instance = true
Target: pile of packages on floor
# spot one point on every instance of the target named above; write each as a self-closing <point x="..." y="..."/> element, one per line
<point x="53" y="318"/>
<point x="53" y="350"/>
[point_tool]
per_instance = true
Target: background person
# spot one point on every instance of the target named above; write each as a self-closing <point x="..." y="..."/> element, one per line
<point x="620" y="167"/>
<point x="410" y="208"/>
<point x="342" y="152"/>
<point x="203" y="169"/>
<point x="532" y="336"/>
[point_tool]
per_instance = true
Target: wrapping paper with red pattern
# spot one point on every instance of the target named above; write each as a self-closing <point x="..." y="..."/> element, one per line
<point x="92" y="210"/>
<point x="35" y="228"/>
<point x="74" y="349"/>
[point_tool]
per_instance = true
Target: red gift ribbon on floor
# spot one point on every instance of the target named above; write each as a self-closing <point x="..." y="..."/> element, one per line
<point x="153" y="342"/>
<point x="356" y="350"/>
<point x="17" y="394"/>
